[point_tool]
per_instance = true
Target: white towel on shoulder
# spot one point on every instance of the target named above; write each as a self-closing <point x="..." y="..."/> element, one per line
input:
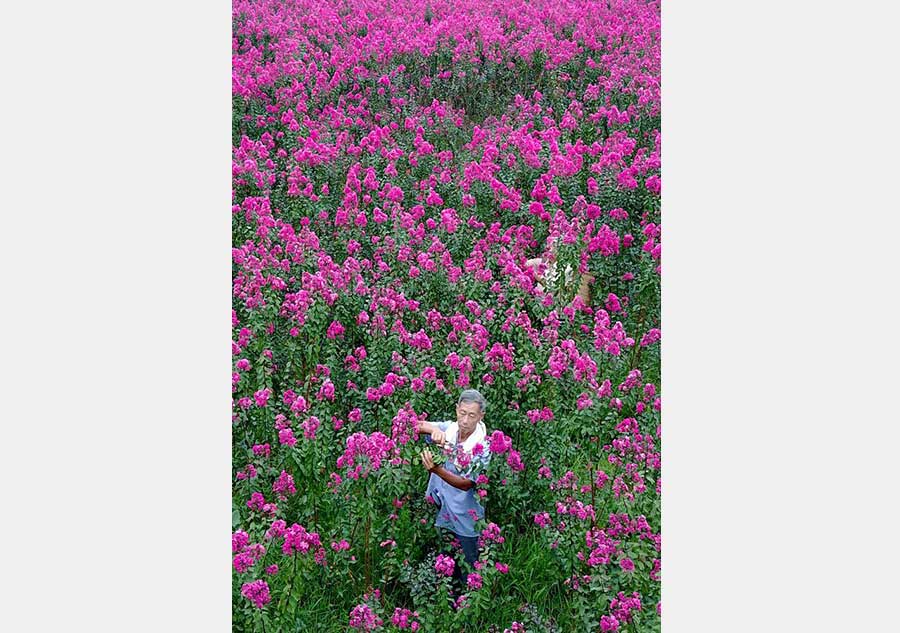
<point x="477" y="436"/>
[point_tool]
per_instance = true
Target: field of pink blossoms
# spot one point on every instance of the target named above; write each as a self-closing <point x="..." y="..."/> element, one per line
<point x="428" y="196"/>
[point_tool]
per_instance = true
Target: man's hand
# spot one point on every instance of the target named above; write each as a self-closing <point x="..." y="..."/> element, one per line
<point x="427" y="460"/>
<point x="437" y="435"/>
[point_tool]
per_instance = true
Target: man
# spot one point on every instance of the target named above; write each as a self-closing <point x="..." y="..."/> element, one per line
<point x="452" y="486"/>
<point x="550" y="275"/>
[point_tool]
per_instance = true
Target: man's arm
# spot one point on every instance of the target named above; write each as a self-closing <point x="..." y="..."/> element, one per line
<point x="454" y="480"/>
<point x="426" y="427"/>
<point x="433" y="432"/>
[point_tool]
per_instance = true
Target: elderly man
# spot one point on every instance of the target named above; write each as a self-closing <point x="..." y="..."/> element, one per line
<point x="452" y="486"/>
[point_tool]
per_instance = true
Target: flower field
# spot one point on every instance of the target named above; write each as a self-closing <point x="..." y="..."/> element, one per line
<point x="427" y="197"/>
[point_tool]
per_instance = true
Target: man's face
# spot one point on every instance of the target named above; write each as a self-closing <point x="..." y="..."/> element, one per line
<point x="468" y="415"/>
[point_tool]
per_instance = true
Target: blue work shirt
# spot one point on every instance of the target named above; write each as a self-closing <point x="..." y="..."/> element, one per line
<point x="454" y="505"/>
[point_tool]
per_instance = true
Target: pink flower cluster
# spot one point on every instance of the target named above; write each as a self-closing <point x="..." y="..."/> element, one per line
<point x="602" y="548"/>
<point x="297" y="539"/>
<point x="245" y="559"/>
<point x="256" y="592"/>
<point x="239" y="541"/>
<point x="499" y="442"/>
<point x="363" y="618"/>
<point x="403" y="425"/>
<point x="258" y="502"/>
<point x="371" y="448"/>
<point x="514" y="460"/>
<point x="249" y="472"/>
<point x="284" y="485"/>
<point x="444" y="565"/>
<point x="622" y="607"/>
<point x="577" y="509"/>
<point x="405" y="619"/>
<point x="492" y="533"/>
<point x="537" y="415"/>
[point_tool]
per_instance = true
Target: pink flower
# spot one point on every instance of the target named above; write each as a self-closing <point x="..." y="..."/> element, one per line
<point x="444" y="565"/>
<point x="297" y="539"/>
<point x="286" y="437"/>
<point x="608" y="623"/>
<point x="372" y="449"/>
<point x="277" y="529"/>
<point x="652" y="336"/>
<point x="474" y="581"/>
<point x="262" y="397"/>
<point x="310" y="426"/>
<point x="335" y="330"/>
<point x="256" y="502"/>
<point x="284" y="485"/>
<point x="363" y="618"/>
<point x="501" y="568"/>
<point x="326" y="392"/>
<point x="492" y="533"/>
<point x="403" y="619"/>
<point x="239" y="541"/>
<point x="499" y="442"/>
<point x="243" y="561"/>
<point x="514" y="461"/>
<point x="612" y="303"/>
<point x="298" y="404"/>
<point x="257" y="592"/>
<point x="584" y="401"/>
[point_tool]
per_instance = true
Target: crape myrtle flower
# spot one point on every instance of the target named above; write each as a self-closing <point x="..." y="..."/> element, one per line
<point x="257" y="592"/>
<point x="363" y="618"/>
<point x="444" y="565"/>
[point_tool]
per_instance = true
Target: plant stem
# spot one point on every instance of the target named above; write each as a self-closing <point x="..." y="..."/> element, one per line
<point x="367" y="556"/>
<point x="635" y="357"/>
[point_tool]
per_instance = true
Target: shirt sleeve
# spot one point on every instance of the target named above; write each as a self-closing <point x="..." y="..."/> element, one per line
<point x="443" y="426"/>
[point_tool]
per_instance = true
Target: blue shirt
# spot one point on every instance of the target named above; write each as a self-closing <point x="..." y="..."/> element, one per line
<point x="454" y="505"/>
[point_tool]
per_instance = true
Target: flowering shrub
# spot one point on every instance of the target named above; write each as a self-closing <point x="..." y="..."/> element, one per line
<point x="429" y="197"/>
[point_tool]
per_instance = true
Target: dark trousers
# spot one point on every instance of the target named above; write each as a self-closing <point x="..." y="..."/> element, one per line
<point x="470" y="548"/>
